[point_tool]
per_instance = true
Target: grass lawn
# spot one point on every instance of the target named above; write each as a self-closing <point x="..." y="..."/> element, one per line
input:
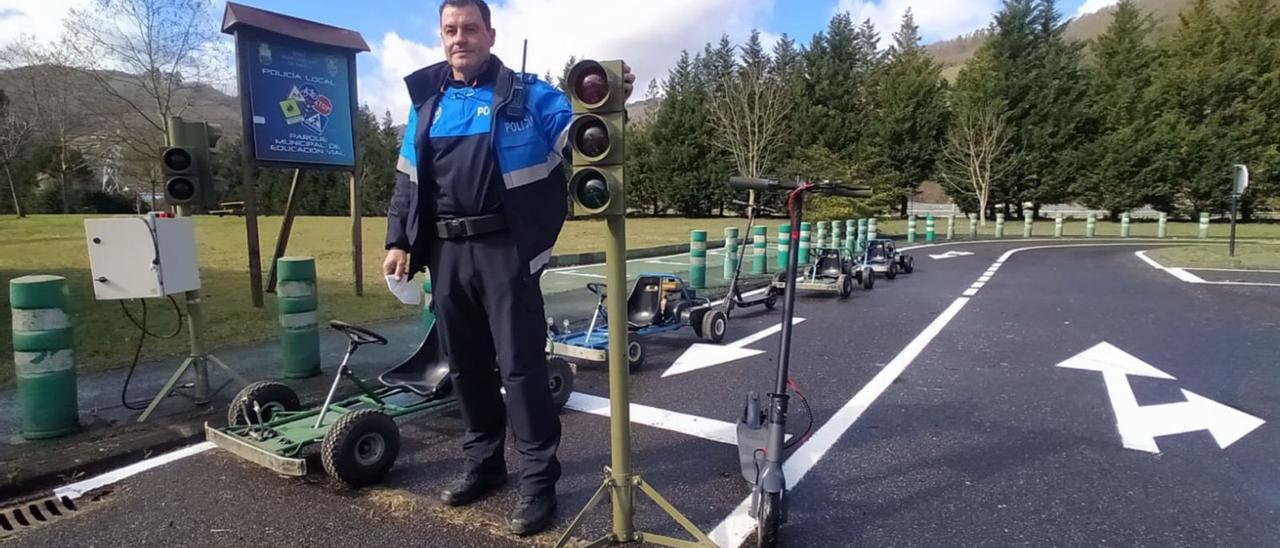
<point x="54" y="244"/>
<point x="1249" y="256"/>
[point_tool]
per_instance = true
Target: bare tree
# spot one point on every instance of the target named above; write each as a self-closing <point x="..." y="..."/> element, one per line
<point x="15" y="133"/>
<point x="978" y="153"/>
<point x="748" y="114"/>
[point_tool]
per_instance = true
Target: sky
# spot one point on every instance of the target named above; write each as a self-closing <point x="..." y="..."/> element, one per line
<point x="649" y="34"/>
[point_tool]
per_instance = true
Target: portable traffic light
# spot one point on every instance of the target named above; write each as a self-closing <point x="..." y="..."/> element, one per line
<point x="181" y="183"/>
<point x="597" y="135"/>
<point x="188" y="163"/>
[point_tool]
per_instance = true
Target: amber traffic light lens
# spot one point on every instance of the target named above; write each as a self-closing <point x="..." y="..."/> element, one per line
<point x="592" y="85"/>
<point x="177" y="159"/>
<point x="592" y="137"/>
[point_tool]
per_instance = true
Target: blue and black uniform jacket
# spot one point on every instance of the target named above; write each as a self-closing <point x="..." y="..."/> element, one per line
<point x="529" y="149"/>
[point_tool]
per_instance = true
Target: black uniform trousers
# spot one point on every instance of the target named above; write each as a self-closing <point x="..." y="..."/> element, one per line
<point x="490" y="314"/>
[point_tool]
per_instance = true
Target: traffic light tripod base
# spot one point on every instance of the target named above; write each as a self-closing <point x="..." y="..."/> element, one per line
<point x="621" y="490"/>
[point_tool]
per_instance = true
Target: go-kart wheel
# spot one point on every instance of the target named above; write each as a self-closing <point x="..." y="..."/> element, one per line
<point x="908" y="264"/>
<point x="635" y="356"/>
<point x="714" y="325"/>
<point x="893" y="270"/>
<point x="272" y="397"/>
<point x="361" y="447"/>
<point x="868" y="278"/>
<point x="768" y="520"/>
<point x="771" y="300"/>
<point x="844" y="284"/>
<point x="560" y="378"/>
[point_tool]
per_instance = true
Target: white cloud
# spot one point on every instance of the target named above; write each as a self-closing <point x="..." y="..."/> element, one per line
<point x="649" y="34"/>
<point x="1090" y="6"/>
<point x="937" y="19"/>
<point x="41" y="19"/>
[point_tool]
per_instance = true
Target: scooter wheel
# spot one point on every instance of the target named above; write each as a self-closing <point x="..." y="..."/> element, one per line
<point x="635" y="356"/>
<point x="560" y="379"/>
<point x="714" y="325"/>
<point x="272" y="397"/>
<point x="361" y="447"/>
<point x="769" y="520"/>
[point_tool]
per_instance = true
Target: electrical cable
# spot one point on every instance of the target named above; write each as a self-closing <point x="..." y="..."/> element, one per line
<point x="143" y="333"/>
<point x="808" y="429"/>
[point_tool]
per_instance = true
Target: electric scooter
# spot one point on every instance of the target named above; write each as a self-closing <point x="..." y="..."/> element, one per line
<point x="762" y="432"/>
<point x="735" y="298"/>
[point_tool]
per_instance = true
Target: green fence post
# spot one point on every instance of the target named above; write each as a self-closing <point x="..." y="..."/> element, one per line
<point x="1091" y="226"/>
<point x="951" y="226"/>
<point x="1162" y="230"/>
<point x="43" y="357"/>
<point x="999" y="225"/>
<point x="821" y="242"/>
<point x="297" y="302"/>
<point x="1124" y="225"/>
<point x="730" y="250"/>
<point x="760" y="247"/>
<point x="784" y="241"/>
<point x="928" y="228"/>
<point x="864" y="235"/>
<point x="851" y="236"/>
<point x="1057" y="225"/>
<point x="973" y="225"/>
<point x="872" y="233"/>
<point x="837" y="234"/>
<point x="803" y="256"/>
<point x="1028" y="217"/>
<point x="698" y="259"/>
<point x="1204" y="225"/>
<point x="911" y="228"/>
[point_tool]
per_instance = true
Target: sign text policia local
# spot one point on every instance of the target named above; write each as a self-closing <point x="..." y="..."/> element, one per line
<point x="300" y="96"/>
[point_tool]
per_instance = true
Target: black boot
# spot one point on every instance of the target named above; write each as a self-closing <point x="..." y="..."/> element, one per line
<point x="471" y="486"/>
<point x="533" y="513"/>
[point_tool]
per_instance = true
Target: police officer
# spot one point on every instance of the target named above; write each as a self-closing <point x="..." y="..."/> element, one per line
<point x="479" y="202"/>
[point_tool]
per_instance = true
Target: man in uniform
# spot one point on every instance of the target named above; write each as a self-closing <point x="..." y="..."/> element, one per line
<point x="480" y="199"/>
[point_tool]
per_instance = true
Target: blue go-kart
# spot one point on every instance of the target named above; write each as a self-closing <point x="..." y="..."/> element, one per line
<point x="658" y="303"/>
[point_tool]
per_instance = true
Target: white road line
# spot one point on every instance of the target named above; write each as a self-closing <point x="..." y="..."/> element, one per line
<point x="583" y="274"/>
<point x="690" y="425"/>
<point x="1182" y="275"/>
<point x="668" y="263"/>
<point x="978" y="285"/>
<point x="79" y="488"/>
<point x="985" y="278"/>
<point x="970" y="292"/>
<point x="1234" y="270"/>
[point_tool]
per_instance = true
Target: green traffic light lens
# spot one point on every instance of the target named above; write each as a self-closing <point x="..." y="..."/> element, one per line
<point x="591" y="137"/>
<point x="180" y="189"/>
<point x="590" y="189"/>
<point x="177" y="159"/>
<point x="591" y="84"/>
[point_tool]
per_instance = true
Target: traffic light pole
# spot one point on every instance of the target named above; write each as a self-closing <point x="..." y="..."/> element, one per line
<point x="620" y="482"/>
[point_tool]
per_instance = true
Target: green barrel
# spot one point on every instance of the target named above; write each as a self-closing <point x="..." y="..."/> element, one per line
<point x="864" y="232"/>
<point x="1028" y="217"/>
<point x="298" y="302"/>
<point x="803" y="252"/>
<point x="1162" y="230"/>
<point x="698" y="259"/>
<point x="911" y="228"/>
<point x="973" y="225"/>
<point x="851" y="235"/>
<point x="1057" y="225"/>
<point x="784" y="241"/>
<point x="428" y="317"/>
<point x="1204" y="225"/>
<point x="999" y="225"/>
<point x="760" y="250"/>
<point x="822" y="234"/>
<point x="731" y="243"/>
<point x="951" y="226"/>
<point x="1091" y="226"/>
<point x="928" y="229"/>
<point x="1124" y="225"/>
<point x="43" y="357"/>
<point x="837" y="234"/>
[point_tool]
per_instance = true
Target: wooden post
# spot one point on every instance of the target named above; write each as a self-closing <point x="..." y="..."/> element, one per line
<point x="357" y="234"/>
<point x="286" y="228"/>
<point x="250" y="183"/>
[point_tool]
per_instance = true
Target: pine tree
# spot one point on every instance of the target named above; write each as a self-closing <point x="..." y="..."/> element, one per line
<point x="677" y="139"/>
<point x="754" y="59"/>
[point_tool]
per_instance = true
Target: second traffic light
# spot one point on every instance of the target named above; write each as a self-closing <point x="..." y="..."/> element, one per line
<point x="597" y="136"/>
<point x="187" y="163"/>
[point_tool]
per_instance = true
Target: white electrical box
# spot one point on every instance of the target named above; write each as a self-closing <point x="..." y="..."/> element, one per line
<point x="141" y="257"/>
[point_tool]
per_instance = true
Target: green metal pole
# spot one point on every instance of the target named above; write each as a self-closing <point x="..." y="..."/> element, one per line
<point x="1204" y="225"/>
<point x="911" y="228"/>
<point x="299" y="327"/>
<point x="784" y="240"/>
<point x="1162" y="230"/>
<point x="44" y="357"/>
<point x="1028" y="217"/>
<point x="760" y="246"/>
<point x="928" y="228"/>
<point x="730" y="251"/>
<point x="619" y="380"/>
<point x="803" y="256"/>
<point x="1057" y="225"/>
<point x="697" y="259"/>
<point x="1124" y="225"/>
<point x="973" y="225"/>
<point x="951" y="227"/>
<point x="872" y="233"/>
<point x="1091" y="226"/>
<point x="999" y="225"/>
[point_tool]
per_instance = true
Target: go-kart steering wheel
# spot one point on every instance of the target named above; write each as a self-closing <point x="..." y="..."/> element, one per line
<point x="358" y="335"/>
<point x="597" y="288"/>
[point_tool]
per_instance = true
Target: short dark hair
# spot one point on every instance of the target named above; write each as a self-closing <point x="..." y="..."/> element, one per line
<point x="479" y="4"/>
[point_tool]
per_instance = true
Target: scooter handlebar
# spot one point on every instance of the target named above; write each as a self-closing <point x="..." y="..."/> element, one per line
<point x="849" y="191"/>
<point x="752" y="183"/>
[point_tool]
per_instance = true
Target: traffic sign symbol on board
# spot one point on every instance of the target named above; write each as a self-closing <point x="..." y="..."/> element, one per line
<point x="1139" y="425"/>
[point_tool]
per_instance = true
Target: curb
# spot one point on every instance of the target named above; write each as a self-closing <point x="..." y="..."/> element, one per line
<point x="597" y="257"/>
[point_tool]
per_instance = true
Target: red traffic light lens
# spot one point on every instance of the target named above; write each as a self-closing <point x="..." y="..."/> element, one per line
<point x="177" y="159"/>
<point x="591" y="137"/>
<point x="180" y="190"/>
<point x="591" y="84"/>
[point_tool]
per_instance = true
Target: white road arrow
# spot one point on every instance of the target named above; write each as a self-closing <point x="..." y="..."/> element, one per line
<point x="950" y="255"/>
<point x="701" y="356"/>
<point x="1140" y="425"/>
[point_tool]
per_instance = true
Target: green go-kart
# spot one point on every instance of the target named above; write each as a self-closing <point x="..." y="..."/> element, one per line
<point x="358" y="436"/>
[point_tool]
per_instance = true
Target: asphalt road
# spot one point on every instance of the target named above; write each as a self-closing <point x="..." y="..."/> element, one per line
<point x="942" y="420"/>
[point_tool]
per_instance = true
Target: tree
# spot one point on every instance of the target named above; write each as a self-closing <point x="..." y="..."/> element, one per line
<point x="678" y="139"/>
<point x="748" y="116"/>
<point x="15" y="134"/>
<point x="981" y="148"/>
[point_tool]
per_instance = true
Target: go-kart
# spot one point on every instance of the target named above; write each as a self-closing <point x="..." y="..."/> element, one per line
<point x="885" y="259"/>
<point x="358" y="436"/>
<point x="658" y="303"/>
<point x="833" y="272"/>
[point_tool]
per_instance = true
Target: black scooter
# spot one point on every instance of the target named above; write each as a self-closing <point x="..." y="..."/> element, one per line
<point x="761" y="432"/>
<point x="735" y="298"/>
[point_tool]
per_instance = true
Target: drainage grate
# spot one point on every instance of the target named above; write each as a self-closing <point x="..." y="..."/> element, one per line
<point x="34" y="513"/>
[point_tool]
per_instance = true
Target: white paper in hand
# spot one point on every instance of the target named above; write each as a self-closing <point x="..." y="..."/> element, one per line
<point x="404" y="289"/>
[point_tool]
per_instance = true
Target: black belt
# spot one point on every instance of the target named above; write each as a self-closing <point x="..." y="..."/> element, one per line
<point x="466" y="227"/>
